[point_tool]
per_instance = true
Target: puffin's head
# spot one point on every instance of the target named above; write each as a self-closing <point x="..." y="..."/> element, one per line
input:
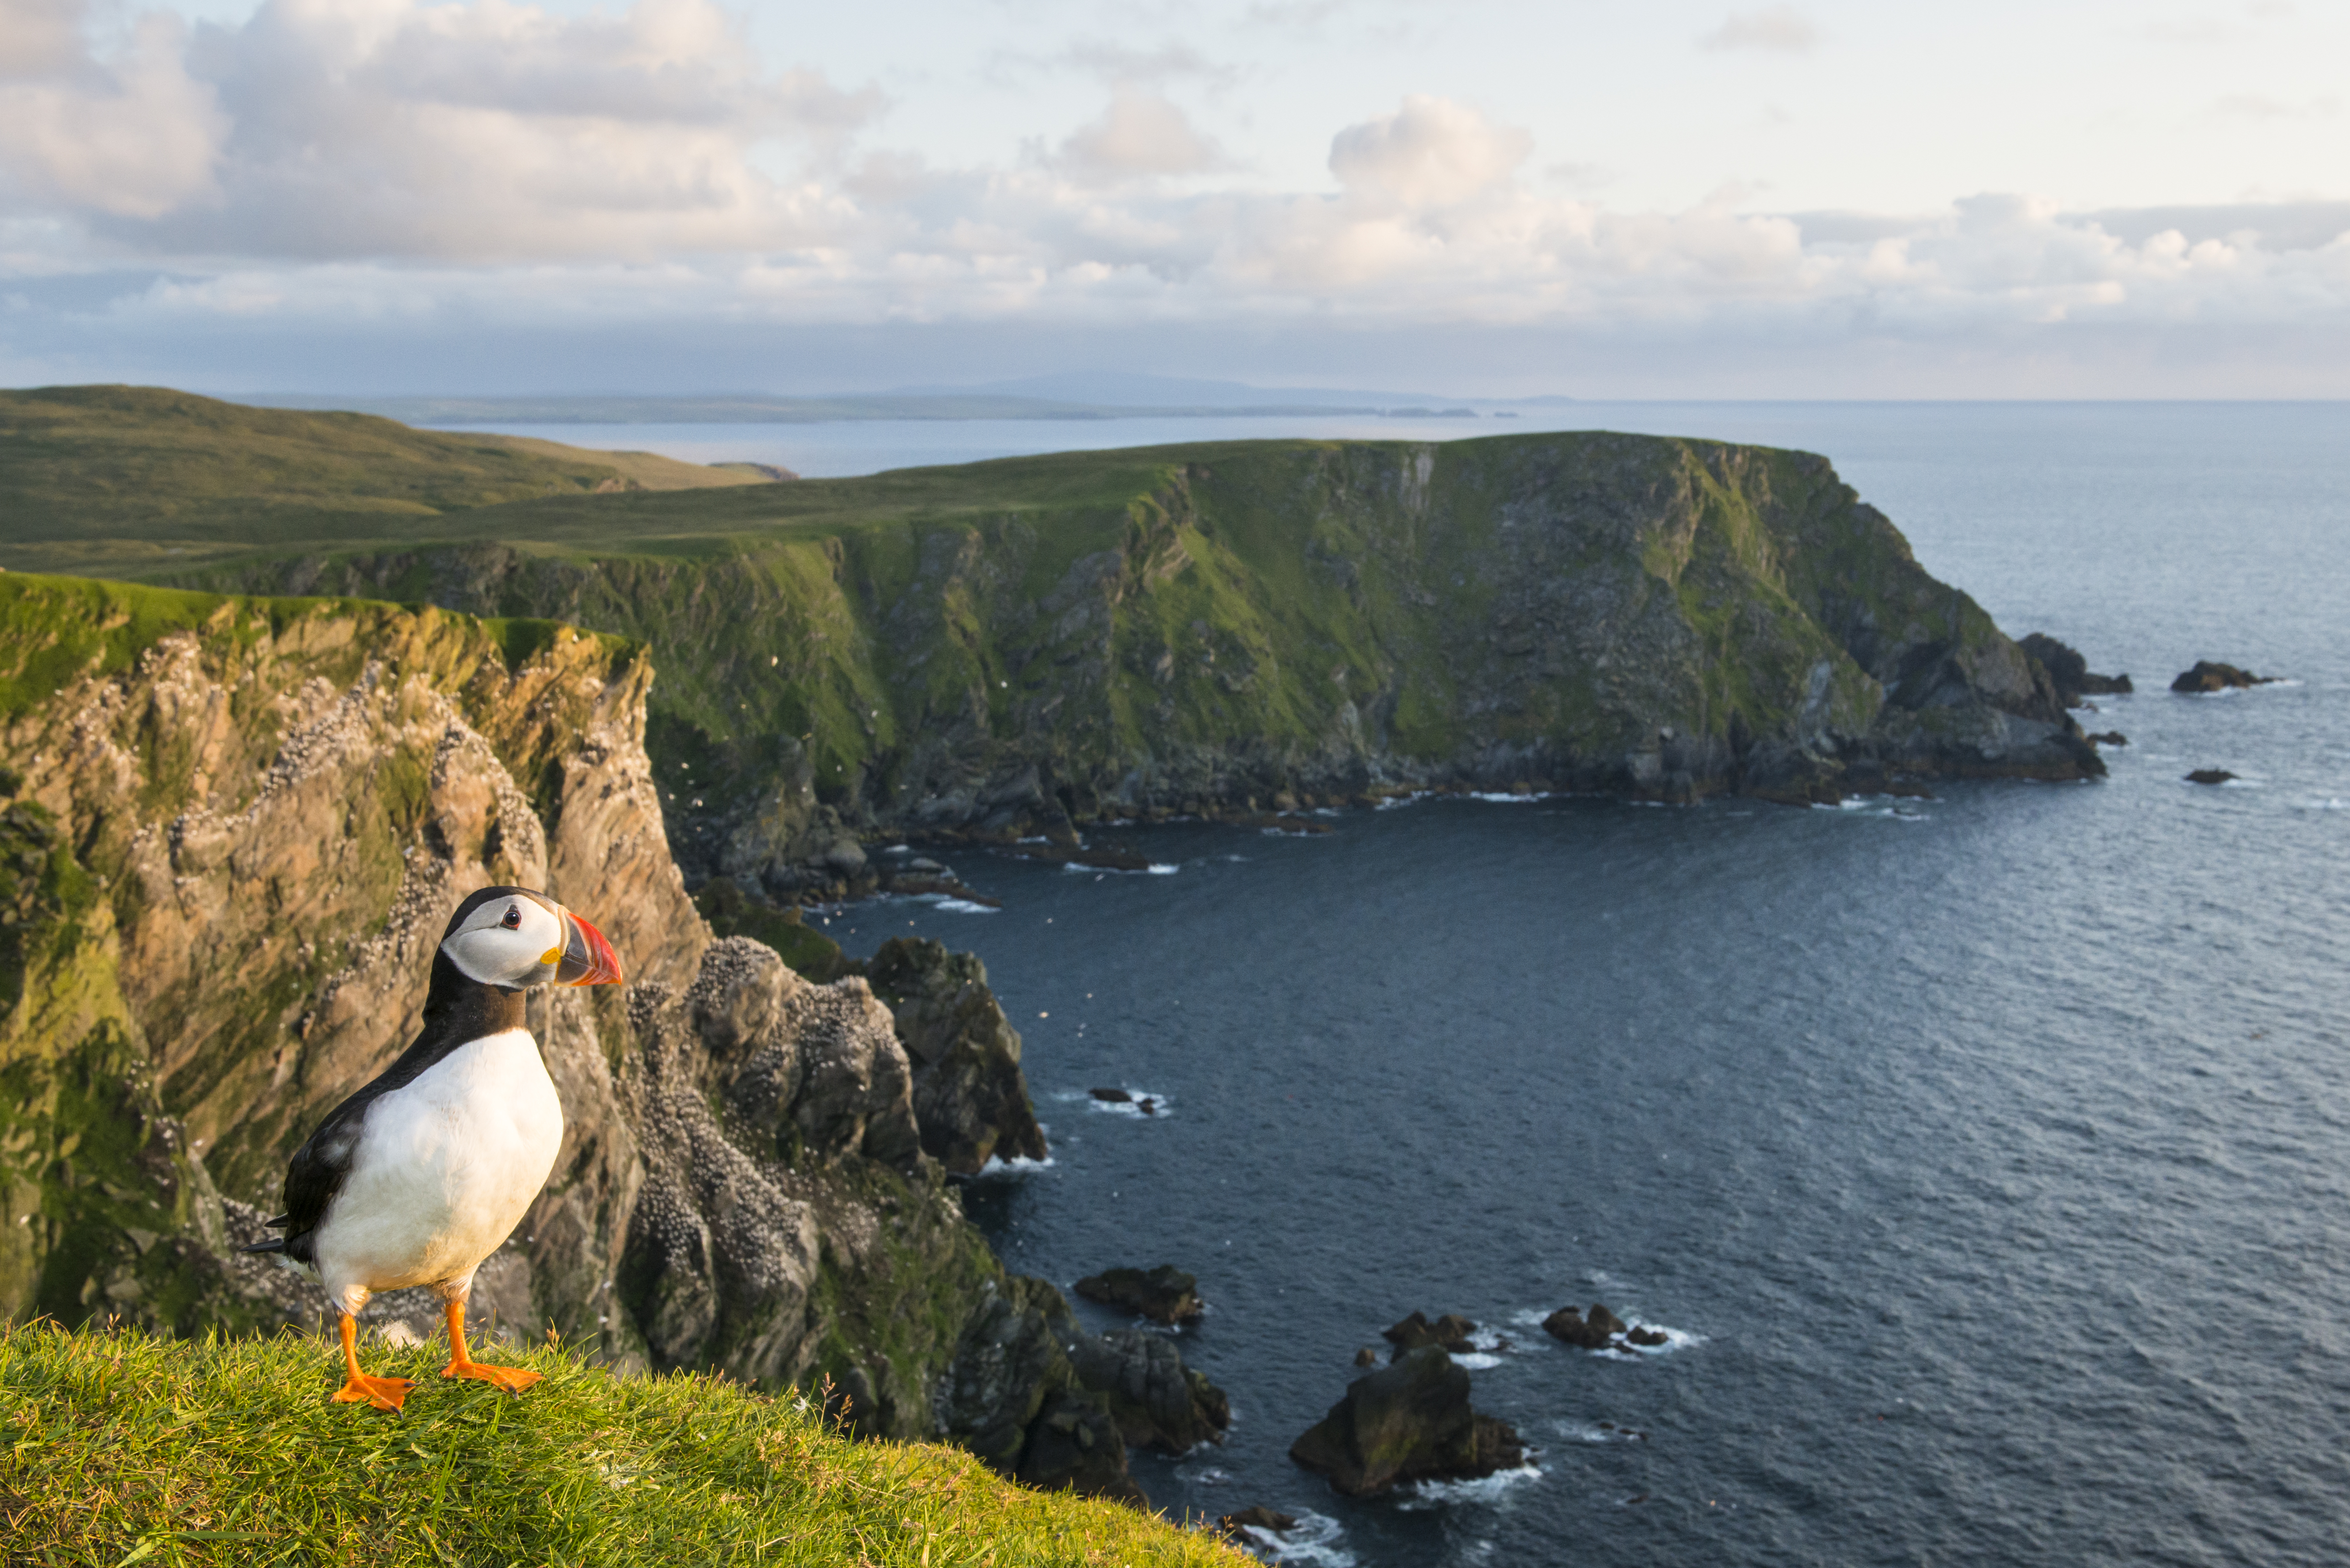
<point x="518" y="938"/>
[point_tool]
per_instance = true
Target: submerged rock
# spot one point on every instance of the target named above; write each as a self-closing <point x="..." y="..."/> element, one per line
<point x="1164" y="1294"/>
<point x="2208" y="677"/>
<point x="1406" y="1422"/>
<point x="2209" y="777"/>
<point x="1257" y="1518"/>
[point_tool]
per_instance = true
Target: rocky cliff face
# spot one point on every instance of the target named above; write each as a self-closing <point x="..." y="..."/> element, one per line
<point x="1220" y="628"/>
<point x="231" y="832"/>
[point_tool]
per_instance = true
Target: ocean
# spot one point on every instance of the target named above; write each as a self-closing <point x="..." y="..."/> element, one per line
<point x="1987" y="1157"/>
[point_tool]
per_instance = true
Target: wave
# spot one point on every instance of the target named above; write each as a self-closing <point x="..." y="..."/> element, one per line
<point x="1313" y="1540"/>
<point x="1499" y="797"/>
<point x="1018" y="1165"/>
<point x="1488" y="1489"/>
<point x="1161" y="1105"/>
<point x="2332" y="802"/>
<point x="1597" y="1432"/>
<point x="953" y="906"/>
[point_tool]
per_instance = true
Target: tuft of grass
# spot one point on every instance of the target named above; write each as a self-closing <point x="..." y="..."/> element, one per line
<point x="118" y="1448"/>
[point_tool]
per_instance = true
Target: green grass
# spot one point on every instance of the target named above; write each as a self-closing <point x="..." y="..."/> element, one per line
<point x="117" y="1448"/>
<point x="163" y="473"/>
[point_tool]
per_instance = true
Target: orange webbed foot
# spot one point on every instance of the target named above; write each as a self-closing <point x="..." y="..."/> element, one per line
<point x="383" y="1393"/>
<point x="512" y="1379"/>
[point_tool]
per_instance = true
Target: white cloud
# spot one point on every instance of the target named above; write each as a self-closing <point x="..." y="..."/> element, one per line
<point x="391" y="160"/>
<point x="1141" y="134"/>
<point x="130" y="136"/>
<point x="1780" y="28"/>
<point x="1429" y="153"/>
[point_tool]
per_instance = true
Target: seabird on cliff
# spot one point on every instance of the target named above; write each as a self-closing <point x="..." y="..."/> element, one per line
<point x="424" y="1172"/>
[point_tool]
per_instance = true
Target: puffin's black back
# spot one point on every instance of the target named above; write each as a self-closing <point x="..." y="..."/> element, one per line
<point x="458" y="1010"/>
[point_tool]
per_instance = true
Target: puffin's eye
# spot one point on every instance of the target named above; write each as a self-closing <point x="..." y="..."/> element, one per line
<point x="514" y="917"/>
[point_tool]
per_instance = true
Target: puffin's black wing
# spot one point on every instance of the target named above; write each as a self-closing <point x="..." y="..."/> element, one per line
<point x="455" y="1011"/>
<point x="317" y="1172"/>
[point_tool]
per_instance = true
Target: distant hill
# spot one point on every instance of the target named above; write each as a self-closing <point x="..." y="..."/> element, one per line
<point x="161" y="473"/>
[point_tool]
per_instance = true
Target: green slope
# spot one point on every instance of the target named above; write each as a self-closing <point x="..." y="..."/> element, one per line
<point x="157" y="472"/>
<point x="118" y="1449"/>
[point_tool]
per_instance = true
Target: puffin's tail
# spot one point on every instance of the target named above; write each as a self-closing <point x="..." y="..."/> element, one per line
<point x="275" y="1243"/>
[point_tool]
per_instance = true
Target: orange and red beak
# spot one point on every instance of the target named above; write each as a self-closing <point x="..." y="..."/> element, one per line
<point x="587" y="958"/>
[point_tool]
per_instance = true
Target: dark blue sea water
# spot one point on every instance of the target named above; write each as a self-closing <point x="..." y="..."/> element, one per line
<point x="1988" y="1156"/>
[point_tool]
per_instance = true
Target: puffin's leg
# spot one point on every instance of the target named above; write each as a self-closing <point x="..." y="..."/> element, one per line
<point x="383" y="1393"/>
<point x="513" y="1379"/>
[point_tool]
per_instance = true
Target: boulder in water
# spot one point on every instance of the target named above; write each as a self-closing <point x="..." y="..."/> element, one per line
<point x="2209" y="777"/>
<point x="2208" y="677"/>
<point x="1163" y="1295"/>
<point x="1597" y="1331"/>
<point x="1409" y="1421"/>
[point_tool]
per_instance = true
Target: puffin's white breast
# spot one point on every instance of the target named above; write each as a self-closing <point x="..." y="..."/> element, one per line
<point x="445" y="1166"/>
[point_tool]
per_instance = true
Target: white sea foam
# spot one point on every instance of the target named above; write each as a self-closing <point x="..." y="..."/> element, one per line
<point x="1597" y="1432"/>
<point x="1160" y="867"/>
<point x="2333" y="802"/>
<point x="2242" y="784"/>
<point x="1314" y="1540"/>
<point x="1488" y="1489"/>
<point x="960" y="906"/>
<point x="1018" y="1165"/>
<point x="1500" y="797"/>
<point x="1161" y="1105"/>
<point x="1476" y="1360"/>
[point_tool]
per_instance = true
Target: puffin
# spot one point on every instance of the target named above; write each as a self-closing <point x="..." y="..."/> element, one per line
<point x="426" y="1170"/>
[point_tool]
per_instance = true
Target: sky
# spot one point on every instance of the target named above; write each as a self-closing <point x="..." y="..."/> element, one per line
<point x="1477" y="198"/>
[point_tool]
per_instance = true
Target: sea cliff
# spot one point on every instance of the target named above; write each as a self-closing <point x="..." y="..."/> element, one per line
<point x="232" y="830"/>
<point x="1029" y="645"/>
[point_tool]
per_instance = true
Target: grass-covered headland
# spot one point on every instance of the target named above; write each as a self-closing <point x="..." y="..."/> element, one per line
<point x="117" y="1447"/>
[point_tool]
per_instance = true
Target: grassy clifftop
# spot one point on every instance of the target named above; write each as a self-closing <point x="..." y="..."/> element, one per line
<point x="118" y="1448"/>
<point x="160" y="473"/>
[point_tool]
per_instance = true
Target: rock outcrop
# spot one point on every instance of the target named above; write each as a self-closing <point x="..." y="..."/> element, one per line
<point x="1451" y="1332"/>
<point x="1040" y="1399"/>
<point x="2069" y="672"/>
<point x="2208" y="677"/>
<point x="1164" y="1294"/>
<point x="1409" y="1421"/>
<point x="969" y="1096"/>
